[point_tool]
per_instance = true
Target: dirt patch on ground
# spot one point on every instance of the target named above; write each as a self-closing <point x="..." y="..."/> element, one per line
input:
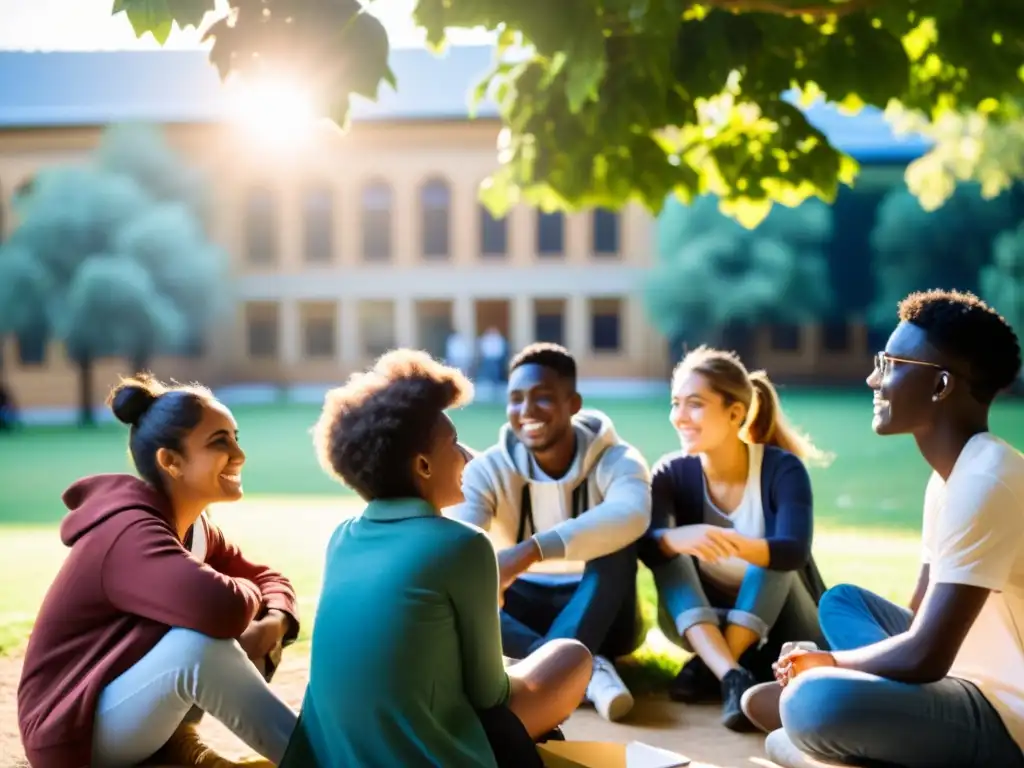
<point x="692" y="731"/>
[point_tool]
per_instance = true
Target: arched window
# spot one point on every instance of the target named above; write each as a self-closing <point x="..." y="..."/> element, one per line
<point x="318" y="223"/>
<point x="435" y="212"/>
<point x="261" y="244"/>
<point x="376" y="221"/>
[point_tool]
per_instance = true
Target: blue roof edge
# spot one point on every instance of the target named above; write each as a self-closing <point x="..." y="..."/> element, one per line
<point x="75" y="88"/>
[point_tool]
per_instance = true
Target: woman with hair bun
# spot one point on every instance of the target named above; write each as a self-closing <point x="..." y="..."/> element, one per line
<point x="154" y="617"/>
<point x="730" y="537"/>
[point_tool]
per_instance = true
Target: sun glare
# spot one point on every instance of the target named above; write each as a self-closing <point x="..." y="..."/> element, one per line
<point x="278" y="112"/>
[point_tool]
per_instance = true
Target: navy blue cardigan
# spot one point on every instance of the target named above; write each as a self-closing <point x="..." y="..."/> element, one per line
<point x="677" y="498"/>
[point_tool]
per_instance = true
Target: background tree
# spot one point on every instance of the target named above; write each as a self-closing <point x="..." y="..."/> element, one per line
<point x="715" y="281"/>
<point x="140" y="152"/>
<point x="607" y="101"/>
<point x="107" y="269"/>
<point x="914" y="248"/>
<point x="1002" y="281"/>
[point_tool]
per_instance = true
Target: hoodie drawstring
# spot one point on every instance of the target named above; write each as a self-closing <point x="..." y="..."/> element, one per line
<point x="580" y="504"/>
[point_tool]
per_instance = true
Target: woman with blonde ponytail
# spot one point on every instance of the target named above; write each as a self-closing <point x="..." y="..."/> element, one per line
<point x="731" y="530"/>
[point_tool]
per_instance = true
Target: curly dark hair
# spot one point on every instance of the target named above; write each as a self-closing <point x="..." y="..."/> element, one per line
<point x="372" y="427"/>
<point x="553" y="356"/>
<point x="963" y="326"/>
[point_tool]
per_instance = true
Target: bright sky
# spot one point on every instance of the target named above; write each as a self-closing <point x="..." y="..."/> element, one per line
<point x="88" y="25"/>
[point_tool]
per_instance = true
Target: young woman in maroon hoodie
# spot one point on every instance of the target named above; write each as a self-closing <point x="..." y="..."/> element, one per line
<point x="155" y="617"/>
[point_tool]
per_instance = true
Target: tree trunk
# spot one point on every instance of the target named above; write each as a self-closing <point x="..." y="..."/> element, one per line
<point x="140" y="363"/>
<point x="85" y="391"/>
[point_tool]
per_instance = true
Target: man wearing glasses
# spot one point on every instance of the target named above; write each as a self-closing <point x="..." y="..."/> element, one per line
<point x="941" y="683"/>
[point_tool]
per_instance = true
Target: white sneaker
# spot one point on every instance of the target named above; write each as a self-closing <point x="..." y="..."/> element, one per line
<point x="781" y="751"/>
<point x="606" y="691"/>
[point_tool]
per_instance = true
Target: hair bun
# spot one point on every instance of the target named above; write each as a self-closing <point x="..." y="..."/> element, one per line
<point x="131" y="400"/>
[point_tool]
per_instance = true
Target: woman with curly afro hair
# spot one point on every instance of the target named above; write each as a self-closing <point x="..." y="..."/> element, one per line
<point x="406" y="665"/>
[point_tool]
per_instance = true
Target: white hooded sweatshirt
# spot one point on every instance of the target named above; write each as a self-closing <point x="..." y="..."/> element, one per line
<point x="618" y="491"/>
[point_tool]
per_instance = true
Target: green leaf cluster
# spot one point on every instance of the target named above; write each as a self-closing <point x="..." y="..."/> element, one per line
<point x="605" y="102"/>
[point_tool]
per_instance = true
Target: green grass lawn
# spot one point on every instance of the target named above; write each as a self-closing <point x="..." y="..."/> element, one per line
<point x="868" y="503"/>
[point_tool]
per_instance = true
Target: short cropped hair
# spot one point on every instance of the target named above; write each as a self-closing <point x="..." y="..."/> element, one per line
<point x="963" y="326"/>
<point x="372" y="427"/>
<point x="553" y="356"/>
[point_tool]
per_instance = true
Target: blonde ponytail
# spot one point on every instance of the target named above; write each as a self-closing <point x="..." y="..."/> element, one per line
<point x="767" y="424"/>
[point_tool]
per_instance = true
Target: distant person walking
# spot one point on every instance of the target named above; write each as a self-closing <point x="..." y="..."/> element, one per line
<point x="458" y="352"/>
<point x="493" y="350"/>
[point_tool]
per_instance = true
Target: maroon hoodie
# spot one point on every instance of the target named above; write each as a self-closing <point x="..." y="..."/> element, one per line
<point x="127" y="580"/>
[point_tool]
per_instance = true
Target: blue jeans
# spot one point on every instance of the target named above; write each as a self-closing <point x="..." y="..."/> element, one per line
<point x="861" y="719"/>
<point x="685" y="599"/>
<point x="600" y="610"/>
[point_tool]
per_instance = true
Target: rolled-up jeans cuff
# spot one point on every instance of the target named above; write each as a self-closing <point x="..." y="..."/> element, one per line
<point x="691" y="617"/>
<point x="750" y="621"/>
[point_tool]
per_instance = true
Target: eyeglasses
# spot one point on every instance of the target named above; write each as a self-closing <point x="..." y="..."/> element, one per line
<point x="884" y="360"/>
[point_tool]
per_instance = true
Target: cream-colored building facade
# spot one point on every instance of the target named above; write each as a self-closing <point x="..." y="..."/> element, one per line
<point x="360" y="242"/>
<point x="344" y="245"/>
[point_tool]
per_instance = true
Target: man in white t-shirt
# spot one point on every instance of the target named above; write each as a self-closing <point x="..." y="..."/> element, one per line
<point x="941" y="683"/>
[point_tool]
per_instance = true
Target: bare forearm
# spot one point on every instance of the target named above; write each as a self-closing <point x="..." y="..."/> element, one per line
<point x="899" y="658"/>
<point x="921" y="589"/>
<point x="754" y="551"/>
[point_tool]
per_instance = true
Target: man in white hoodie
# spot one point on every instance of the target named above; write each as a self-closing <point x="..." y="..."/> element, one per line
<point x="564" y="500"/>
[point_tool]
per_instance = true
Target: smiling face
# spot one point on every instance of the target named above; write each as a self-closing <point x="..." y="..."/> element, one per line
<point x="701" y="416"/>
<point x="540" y="407"/>
<point x="439" y="470"/>
<point x="208" y="468"/>
<point x="909" y="383"/>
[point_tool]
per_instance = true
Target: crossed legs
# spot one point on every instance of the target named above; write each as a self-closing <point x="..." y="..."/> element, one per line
<point x="859" y="719"/>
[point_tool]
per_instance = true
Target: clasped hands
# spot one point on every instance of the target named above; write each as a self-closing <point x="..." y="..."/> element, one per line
<point x="708" y="543"/>
<point x="796" y="662"/>
<point x="264" y="634"/>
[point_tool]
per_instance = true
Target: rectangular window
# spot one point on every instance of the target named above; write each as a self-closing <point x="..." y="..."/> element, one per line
<point x="550" y="233"/>
<point x="319" y="328"/>
<point x="376" y="327"/>
<point x="493" y="234"/>
<point x="606" y="325"/>
<point x="549" y="320"/>
<point x="785" y="338"/>
<point x="262" y="329"/>
<point x="605" y="232"/>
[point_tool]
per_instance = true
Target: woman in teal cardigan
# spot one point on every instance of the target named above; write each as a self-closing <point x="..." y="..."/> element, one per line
<point x="406" y="658"/>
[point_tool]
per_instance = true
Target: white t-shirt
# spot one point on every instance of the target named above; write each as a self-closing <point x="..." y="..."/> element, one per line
<point x="747" y="519"/>
<point x="973" y="534"/>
